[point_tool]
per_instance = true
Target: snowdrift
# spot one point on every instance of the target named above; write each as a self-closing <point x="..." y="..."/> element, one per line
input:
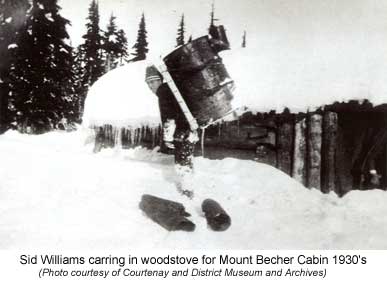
<point x="56" y="193"/>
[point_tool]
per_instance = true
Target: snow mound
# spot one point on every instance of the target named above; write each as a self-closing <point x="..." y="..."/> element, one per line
<point x="71" y="198"/>
<point x="121" y="97"/>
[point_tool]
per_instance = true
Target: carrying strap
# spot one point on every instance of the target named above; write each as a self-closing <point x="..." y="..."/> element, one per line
<point x="179" y="98"/>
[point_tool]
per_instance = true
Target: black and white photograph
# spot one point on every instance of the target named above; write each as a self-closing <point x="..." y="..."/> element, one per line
<point x="193" y="125"/>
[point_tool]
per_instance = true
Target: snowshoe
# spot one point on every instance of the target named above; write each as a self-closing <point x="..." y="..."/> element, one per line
<point x="217" y="218"/>
<point x="170" y="215"/>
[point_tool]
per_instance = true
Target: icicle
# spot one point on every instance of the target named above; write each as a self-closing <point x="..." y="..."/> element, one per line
<point x="143" y="134"/>
<point x="105" y="135"/>
<point x="118" y="138"/>
<point x="132" y="132"/>
<point x="202" y="140"/>
<point x="124" y="137"/>
<point x="109" y="135"/>
<point x="159" y="134"/>
<point x="114" y="135"/>
<point x="136" y="133"/>
<point x="153" y="137"/>
<point x="146" y="134"/>
<point x="238" y="129"/>
<point x="138" y="136"/>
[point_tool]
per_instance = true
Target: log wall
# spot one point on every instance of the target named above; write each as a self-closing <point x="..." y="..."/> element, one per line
<point x="331" y="149"/>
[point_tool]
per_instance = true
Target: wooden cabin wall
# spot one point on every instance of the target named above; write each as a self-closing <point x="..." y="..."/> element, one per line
<point x="320" y="149"/>
<point x="323" y="149"/>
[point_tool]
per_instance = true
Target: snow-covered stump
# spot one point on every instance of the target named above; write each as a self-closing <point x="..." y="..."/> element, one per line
<point x="285" y="136"/>
<point x="299" y="155"/>
<point x="314" y="141"/>
<point x="328" y="152"/>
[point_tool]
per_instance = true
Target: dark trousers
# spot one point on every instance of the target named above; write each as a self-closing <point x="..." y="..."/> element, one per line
<point x="184" y="148"/>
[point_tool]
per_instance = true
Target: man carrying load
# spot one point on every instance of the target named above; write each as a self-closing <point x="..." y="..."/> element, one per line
<point x="177" y="134"/>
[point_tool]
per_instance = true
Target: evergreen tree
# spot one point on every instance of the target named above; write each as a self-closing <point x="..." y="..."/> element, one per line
<point x="89" y="54"/>
<point x="141" y="44"/>
<point x="180" y="33"/>
<point x="244" y="39"/>
<point x="41" y="76"/>
<point x="91" y="50"/>
<point x="78" y="71"/>
<point x="12" y="17"/>
<point x="122" y="43"/>
<point x="110" y="43"/>
<point x="115" y="45"/>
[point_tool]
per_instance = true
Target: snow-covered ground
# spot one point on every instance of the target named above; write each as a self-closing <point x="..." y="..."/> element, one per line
<point x="54" y="192"/>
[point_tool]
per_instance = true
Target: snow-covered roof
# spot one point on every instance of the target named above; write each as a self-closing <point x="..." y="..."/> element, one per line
<point x="121" y="97"/>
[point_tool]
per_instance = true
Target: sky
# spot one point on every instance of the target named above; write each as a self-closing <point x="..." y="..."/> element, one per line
<point x="162" y="18"/>
<point x="306" y="48"/>
<point x="267" y="22"/>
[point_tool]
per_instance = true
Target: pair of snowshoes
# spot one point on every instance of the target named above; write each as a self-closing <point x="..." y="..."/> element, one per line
<point x="173" y="216"/>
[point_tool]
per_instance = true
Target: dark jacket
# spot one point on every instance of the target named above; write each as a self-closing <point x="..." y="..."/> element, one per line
<point x="170" y="109"/>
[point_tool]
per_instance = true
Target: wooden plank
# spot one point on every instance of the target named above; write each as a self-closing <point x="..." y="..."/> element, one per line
<point x="284" y="146"/>
<point x="343" y="159"/>
<point x="314" y="141"/>
<point x="328" y="151"/>
<point x="299" y="155"/>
